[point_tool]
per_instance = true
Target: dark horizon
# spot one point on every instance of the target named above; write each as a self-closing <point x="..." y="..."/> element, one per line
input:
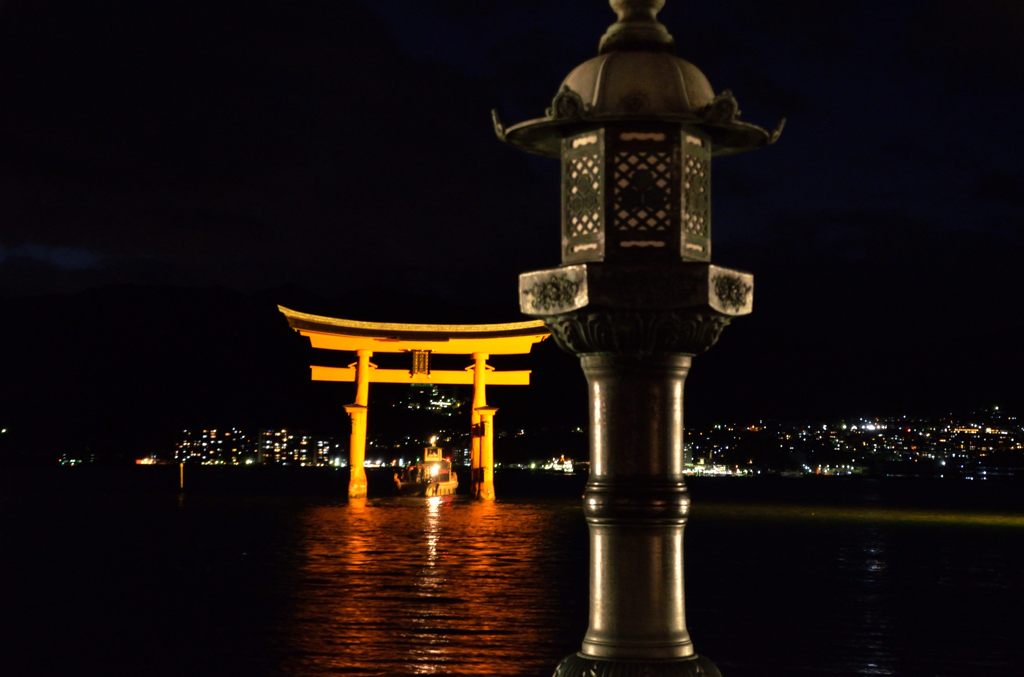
<point x="173" y="172"/>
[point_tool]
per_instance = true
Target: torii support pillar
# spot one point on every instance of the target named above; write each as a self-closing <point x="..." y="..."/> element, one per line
<point x="481" y="462"/>
<point x="357" y="414"/>
<point x="484" y="489"/>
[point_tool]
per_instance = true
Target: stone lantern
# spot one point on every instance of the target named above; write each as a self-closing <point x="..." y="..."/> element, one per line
<point x="636" y="297"/>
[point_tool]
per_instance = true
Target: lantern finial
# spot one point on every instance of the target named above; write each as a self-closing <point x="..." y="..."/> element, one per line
<point x="637" y="27"/>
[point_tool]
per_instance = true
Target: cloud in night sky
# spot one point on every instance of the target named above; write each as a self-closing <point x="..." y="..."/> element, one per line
<point x="64" y="258"/>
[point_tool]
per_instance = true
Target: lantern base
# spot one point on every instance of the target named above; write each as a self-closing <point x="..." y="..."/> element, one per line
<point x="578" y="665"/>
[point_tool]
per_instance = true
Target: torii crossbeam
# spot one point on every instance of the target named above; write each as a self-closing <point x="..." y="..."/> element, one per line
<point x="479" y="341"/>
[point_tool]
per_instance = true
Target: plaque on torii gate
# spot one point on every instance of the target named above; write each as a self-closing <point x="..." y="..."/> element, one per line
<point x="420" y="341"/>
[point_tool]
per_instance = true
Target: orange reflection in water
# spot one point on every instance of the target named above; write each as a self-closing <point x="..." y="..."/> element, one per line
<point x="443" y="585"/>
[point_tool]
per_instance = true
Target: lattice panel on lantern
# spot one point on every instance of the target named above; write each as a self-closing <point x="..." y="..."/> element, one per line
<point x="583" y="193"/>
<point x="642" y="191"/>
<point x="696" y="202"/>
<point x="583" y="197"/>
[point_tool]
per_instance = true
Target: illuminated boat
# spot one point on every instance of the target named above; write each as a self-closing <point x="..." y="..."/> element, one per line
<point x="433" y="477"/>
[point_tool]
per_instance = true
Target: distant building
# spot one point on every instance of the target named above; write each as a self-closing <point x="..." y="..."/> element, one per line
<point x="280" y="447"/>
<point x="213" y="446"/>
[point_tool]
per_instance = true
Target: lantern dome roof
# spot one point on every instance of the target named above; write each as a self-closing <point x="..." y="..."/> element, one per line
<point x="637" y="78"/>
<point x="639" y="84"/>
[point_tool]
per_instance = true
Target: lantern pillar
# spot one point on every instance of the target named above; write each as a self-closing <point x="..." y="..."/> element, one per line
<point x="635" y="299"/>
<point x="636" y="357"/>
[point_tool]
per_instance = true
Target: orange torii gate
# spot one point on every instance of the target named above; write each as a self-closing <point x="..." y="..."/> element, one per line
<point x="479" y="341"/>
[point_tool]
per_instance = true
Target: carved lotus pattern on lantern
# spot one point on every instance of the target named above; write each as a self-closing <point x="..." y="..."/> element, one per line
<point x="552" y="294"/>
<point x="732" y="291"/>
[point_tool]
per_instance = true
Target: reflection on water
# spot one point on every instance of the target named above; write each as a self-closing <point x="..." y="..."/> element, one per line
<point x="864" y="563"/>
<point x="128" y="584"/>
<point x="431" y="586"/>
<point x="455" y="587"/>
<point x="867" y="515"/>
<point x="782" y="591"/>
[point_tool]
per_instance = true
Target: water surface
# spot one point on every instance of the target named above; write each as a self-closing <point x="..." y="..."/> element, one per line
<point x="130" y="583"/>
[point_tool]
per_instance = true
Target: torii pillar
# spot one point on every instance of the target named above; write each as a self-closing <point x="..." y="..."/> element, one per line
<point x="484" y="488"/>
<point x="357" y="412"/>
<point x="482" y="435"/>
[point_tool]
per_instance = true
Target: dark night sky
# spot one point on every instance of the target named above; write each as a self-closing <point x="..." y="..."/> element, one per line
<point x="171" y="171"/>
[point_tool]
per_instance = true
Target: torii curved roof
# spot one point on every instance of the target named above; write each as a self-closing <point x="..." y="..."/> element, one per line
<point x="335" y="333"/>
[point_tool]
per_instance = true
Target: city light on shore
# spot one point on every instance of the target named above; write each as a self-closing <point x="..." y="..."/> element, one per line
<point x="981" y="445"/>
